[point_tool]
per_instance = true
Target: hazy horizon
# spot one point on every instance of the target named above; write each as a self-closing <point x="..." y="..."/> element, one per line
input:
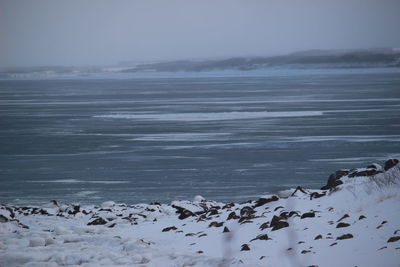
<point x="93" y="33"/>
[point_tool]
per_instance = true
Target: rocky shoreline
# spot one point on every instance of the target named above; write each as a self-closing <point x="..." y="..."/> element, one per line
<point x="354" y="220"/>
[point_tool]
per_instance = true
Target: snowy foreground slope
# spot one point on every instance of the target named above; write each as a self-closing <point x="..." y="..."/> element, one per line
<point x="354" y="222"/>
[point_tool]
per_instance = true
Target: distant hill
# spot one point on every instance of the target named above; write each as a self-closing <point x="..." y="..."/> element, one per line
<point x="310" y="58"/>
<point x="387" y="57"/>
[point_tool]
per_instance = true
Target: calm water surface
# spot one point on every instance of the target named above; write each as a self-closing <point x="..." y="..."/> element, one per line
<point x="162" y="139"/>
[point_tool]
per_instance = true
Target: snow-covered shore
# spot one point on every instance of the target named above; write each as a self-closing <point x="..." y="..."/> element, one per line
<point x="355" y="221"/>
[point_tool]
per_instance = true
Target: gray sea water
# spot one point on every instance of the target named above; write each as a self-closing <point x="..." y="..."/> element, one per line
<point x="228" y="137"/>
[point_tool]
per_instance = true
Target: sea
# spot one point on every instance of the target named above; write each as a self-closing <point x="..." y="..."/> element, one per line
<point x="157" y="137"/>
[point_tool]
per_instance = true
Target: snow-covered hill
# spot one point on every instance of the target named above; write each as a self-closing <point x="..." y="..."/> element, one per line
<point x="354" y="221"/>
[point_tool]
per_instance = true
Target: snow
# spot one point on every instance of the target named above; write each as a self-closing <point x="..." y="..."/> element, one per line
<point x="187" y="233"/>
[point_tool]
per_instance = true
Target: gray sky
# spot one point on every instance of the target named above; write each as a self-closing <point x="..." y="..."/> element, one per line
<point x="51" y="32"/>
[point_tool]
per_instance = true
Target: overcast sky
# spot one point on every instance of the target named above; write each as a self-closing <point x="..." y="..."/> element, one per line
<point x="93" y="32"/>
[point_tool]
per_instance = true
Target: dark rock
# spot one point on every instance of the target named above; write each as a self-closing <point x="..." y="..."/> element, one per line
<point x="226" y="230"/>
<point x="190" y="234"/>
<point x="393" y="239"/>
<point x="301" y="189"/>
<point x="342" y="224"/>
<point x="293" y="213"/>
<point x="213" y="212"/>
<point x="12" y="214"/>
<point x="333" y="244"/>
<point x="247" y="211"/>
<point x="3" y="219"/>
<point x="263" y="201"/>
<point x="364" y="172"/>
<point x="382" y="248"/>
<point x="228" y="206"/>
<point x="264" y="226"/>
<point x="98" y="221"/>
<point x="362" y="217"/>
<point x="305" y="251"/>
<point x="155" y="203"/>
<point x="112" y="225"/>
<point x="337" y="182"/>
<point x="279" y="207"/>
<point x="316" y="195"/>
<point x="108" y="210"/>
<point x="232" y="215"/>
<point x="280" y="225"/>
<point x="43" y="212"/>
<point x="167" y="229"/>
<point x="374" y="166"/>
<point x="200" y="252"/>
<point x="334" y="177"/>
<point x="183" y="213"/>
<point x="390" y="163"/>
<point x="343" y="217"/>
<point x="260" y="237"/>
<point x="275" y="220"/>
<point x="74" y="209"/>
<point x="216" y="224"/>
<point x="345" y="236"/>
<point x="245" y="247"/>
<point x="86" y="212"/>
<point x="284" y="215"/>
<point x="318" y="237"/>
<point x="202" y="235"/>
<point x="307" y="215"/>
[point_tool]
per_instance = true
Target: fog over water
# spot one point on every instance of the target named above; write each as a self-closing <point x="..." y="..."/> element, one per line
<point x="46" y="32"/>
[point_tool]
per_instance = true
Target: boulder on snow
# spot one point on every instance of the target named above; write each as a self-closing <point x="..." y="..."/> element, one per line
<point x="333" y="179"/>
<point x="245" y="247"/>
<point x="263" y="201"/>
<point x="394" y="239"/>
<point x="279" y="225"/>
<point x="390" y="163"/>
<point x="308" y="215"/>
<point x="233" y="215"/>
<point x="260" y="237"/>
<point x="363" y="172"/>
<point x="342" y="224"/>
<point x="183" y="213"/>
<point x="247" y="212"/>
<point x="98" y="221"/>
<point x="345" y="236"/>
<point x="167" y="229"/>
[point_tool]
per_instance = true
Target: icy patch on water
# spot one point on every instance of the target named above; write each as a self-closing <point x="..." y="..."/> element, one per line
<point x="85" y="193"/>
<point x="347" y="138"/>
<point x="76" y="181"/>
<point x="212" y="116"/>
<point x="182" y="137"/>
